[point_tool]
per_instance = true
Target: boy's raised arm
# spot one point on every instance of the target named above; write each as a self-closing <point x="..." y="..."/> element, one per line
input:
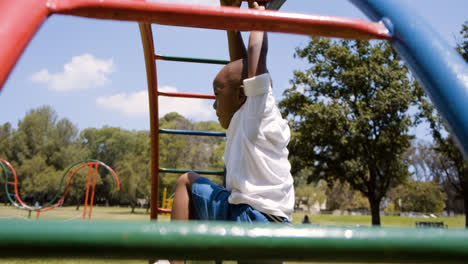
<point x="236" y="44"/>
<point x="258" y="48"/>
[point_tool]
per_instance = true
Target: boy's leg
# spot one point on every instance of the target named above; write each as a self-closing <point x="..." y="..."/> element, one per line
<point x="245" y="213"/>
<point x="181" y="209"/>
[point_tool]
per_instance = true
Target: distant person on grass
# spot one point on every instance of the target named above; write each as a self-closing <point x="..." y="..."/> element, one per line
<point x="259" y="185"/>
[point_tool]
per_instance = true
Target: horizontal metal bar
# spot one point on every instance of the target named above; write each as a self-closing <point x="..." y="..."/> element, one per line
<point x="187" y="59"/>
<point x="187" y="95"/>
<point x="226" y="18"/>
<point x="192" y="133"/>
<point x="202" y="172"/>
<point x="164" y="210"/>
<point x="215" y="240"/>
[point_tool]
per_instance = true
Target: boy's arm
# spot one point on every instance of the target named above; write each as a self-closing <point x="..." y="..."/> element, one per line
<point x="236" y="44"/>
<point x="258" y="48"/>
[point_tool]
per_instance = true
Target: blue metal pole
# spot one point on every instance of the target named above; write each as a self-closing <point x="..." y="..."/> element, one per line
<point x="440" y="69"/>
<point x="192" y="133"/>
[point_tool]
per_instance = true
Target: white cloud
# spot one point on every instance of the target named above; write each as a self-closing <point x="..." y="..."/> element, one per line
<point x="81" y="73"/>
<point x="191" y="2"/>
<point x="136" y="104"/>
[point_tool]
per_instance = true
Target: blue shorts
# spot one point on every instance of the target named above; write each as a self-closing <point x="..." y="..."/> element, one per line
<point x="210" y="202"/>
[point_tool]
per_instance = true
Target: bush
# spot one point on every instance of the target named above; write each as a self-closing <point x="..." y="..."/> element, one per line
<point x="416" y="196"/>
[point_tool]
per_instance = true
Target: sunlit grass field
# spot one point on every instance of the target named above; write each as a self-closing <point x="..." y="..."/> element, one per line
<point x="124" y="214"/>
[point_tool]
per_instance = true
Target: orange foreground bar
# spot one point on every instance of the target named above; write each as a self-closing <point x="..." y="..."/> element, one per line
<point x="222" y="18"/>
<point x="19" y="20"/>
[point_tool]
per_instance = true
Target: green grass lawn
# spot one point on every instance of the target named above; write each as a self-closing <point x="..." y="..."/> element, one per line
<point x="387" y="221"/>
<point x="124" y="214"/>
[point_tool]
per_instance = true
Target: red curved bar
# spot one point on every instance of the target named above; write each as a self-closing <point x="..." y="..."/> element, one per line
<point x="19" y="20"/>
<point x="187" y="95"/>
<point x="15" y="184"/>
<point x="222" y="18"/>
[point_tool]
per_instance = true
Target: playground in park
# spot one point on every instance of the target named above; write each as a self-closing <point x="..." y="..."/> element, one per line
<point x="440" y="70"/>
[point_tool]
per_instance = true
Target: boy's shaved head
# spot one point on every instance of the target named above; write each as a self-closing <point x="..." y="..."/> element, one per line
<point x="228" y="87"/>
<point x="233" y="73"/>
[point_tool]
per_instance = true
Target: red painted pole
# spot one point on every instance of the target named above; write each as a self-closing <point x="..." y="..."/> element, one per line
<point x="87" y="192"/>
<point x="187" y="95"/>
<point x="148" y="49"/>
<point x="19" y="21"/>
<point x="223" y="18"/>
<point x="94" y="188"/>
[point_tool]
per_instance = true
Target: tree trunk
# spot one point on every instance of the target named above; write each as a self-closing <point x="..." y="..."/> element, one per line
<point x="375" y="210"/>
<point x="133" y="205"/>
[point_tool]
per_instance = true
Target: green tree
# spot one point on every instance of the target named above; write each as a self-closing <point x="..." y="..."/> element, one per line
<point x="40" y="149"/>
<point x="417" y="196"/>
<point x="340" y="196"/>
<point x="135" y="179"/>
<point x="40" y="181"/>
<point x="110" y="145"/>
<point x="462" y="47"/>
<point x="32" y="134"/>
<point x="348" y="115"/>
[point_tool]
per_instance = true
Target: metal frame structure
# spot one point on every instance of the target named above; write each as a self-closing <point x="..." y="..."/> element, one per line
<point x="441" y="71"/>
<point x="11" y="180"/>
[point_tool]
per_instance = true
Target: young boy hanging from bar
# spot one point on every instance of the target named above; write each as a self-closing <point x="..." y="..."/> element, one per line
<point x="259" y="185"/>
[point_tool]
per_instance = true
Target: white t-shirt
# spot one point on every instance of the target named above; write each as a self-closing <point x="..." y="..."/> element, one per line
<point x="256" y="154"/>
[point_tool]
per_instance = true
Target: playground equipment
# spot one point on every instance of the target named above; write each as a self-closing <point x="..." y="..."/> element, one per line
<point x="167" y="202"/>
<point x="442" y="72"/>
<point x="11" y="181"/>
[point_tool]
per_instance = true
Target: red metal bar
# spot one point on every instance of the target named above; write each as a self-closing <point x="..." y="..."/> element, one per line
<point x="187" y="95"/>
<point x="16" y="184"/>
<point x="164" y="210"/>
<point x="223" y="18"/>
<point x="94" y="189"/>
<point x="87" y="191"/>
<point x="148" y="50"/>
<point x="12" y="183"/>
<point x="92" y="163"/>
<point x="19" y="20"/>
<point x="113" y="173"/>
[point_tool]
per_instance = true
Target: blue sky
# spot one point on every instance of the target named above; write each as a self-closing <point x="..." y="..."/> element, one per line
<point x="92" y="71"/>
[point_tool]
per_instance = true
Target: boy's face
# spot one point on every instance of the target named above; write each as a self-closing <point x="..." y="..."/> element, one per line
<point x="229" y="95"/>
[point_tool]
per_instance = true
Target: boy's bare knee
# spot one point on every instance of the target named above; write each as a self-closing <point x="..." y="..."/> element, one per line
<point x="188" y="179"/>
